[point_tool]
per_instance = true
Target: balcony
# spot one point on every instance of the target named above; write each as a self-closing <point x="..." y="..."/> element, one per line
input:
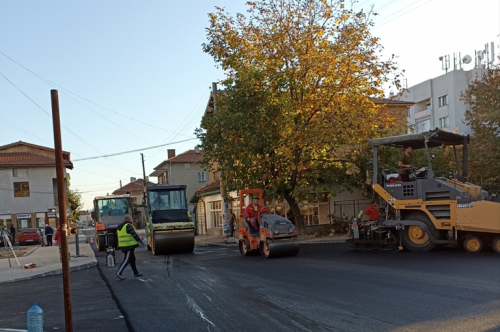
<point x="423" y="114"/>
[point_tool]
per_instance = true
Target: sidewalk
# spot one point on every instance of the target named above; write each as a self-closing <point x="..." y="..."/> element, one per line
<point x="47" y="262"/>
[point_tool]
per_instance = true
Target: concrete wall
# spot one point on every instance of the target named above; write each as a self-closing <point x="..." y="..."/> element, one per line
<point x="453" y="84"/>
<point x="189" y="177"/>
<point x="41" y="190"/>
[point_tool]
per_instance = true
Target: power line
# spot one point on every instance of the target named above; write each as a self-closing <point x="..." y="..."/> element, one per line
<point x="130" y="151"/>
<point x="65" y="127"/>
<point x="377" y="24"/>
<point x="62" y="88"/>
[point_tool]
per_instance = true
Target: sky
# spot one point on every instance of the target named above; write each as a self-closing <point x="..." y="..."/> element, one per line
<point x="132" y="74"/>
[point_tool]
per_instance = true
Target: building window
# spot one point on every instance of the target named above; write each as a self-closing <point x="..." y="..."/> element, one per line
<point x="443" y="100"/>
<point x="201" y="176"/>
<point x="216" y="214"/>
<point x="216" y="175"/>
<point x="21" y="189"/>
<point x="20" y="172"/>
<point x="408" y="113"/>
<point x="423" y="126"/>
<point x="444" y="122"/>
<point x="186" y="165"/>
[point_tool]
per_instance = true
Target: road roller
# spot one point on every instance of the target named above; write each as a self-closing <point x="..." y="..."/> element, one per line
<point x="169" y="229"/>
<point x="273" y="235"/>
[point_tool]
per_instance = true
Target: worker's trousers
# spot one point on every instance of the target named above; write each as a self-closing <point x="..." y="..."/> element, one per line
<point x="129" y="258"/>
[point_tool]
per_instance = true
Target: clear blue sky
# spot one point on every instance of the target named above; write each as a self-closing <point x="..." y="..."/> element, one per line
<point x="145" y="81"/>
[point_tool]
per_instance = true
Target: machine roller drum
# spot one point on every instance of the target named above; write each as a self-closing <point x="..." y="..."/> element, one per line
<point x="177" y="243"/>
<point x="284" y="249"/>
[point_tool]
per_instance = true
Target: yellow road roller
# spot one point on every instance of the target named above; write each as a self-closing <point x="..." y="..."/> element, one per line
<point x="169" y="229"/>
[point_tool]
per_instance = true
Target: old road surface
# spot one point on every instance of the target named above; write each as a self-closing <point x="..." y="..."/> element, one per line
<point x="327" y="287"/>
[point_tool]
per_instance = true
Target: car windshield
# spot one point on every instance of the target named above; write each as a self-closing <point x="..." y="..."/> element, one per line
<point x="29" y="230"/>
<point x="167" y="200"/>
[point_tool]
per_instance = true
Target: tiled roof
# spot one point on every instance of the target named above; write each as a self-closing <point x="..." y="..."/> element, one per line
<point x="190" y="156"/>
<point x="10" y="159"/>
<point x="209" y="187"/>
<point x="6" y="146"/>
<point x="392" y="102"/>
<point x="135" y="185"/>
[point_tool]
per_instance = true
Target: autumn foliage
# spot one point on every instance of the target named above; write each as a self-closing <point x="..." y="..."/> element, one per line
<point x="483" y="97"/>
<point x="297" y="100"/>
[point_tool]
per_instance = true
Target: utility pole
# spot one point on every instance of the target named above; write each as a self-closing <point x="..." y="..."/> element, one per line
<point x="63" y="223"/>
<point x="121" y="188"/>
<point x="143" y="190"/>
<point x="223" y="192"/>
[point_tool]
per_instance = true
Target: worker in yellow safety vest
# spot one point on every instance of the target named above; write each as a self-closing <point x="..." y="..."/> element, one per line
<point x="128" y="240"/>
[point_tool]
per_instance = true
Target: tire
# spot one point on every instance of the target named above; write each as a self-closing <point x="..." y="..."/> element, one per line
<point x="473" y="244"/>
<point x="100" y="242"/>
<point x="243" y="246"/>
<point x="264" y="249"/>
<point x="414" y="238"/>
<point x="496" y="245"/>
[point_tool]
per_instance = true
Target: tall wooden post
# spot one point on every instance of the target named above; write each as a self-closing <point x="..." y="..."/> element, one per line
<point x="63" y="223"/>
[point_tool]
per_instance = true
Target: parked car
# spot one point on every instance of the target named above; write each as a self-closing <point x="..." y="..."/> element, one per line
<point x="29" y="235"/>
<point x="1" y="237"/>
<point x="80" y="224"/>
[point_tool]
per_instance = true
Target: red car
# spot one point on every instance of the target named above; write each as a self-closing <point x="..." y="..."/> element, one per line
<point x="29" y="235"/>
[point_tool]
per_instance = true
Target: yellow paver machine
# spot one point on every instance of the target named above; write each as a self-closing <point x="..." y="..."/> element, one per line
<point x="428" y="211"/>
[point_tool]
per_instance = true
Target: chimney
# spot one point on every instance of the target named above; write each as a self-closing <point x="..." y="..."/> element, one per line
<point x="147" y="179"/>
<point x="171" y="153"/>
<point x="197" y="149"/>
<point x="132" y="179"/>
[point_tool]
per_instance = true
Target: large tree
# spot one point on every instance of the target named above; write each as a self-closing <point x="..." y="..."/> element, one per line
<point x="301" y="76"/>
<point x="483" y="97"/>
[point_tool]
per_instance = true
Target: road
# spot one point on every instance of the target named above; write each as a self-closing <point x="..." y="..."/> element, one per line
<point x="327" y="287"/>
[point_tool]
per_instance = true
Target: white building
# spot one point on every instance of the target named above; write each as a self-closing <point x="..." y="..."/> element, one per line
<point x="438" y="103"/>
<point x="28" y="186"/>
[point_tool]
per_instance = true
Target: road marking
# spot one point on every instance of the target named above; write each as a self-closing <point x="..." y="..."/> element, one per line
<point x="145" y="279"/>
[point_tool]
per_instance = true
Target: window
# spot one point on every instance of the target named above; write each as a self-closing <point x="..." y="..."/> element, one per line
<point x="408" y="113"/>
<point x="216" y="175"/>
<point x="443" y="100"/>
<point x="216" y="214"/>
<point x="201" y="176"/>
<point x="423" y="126"/>
<point x="186" y="165"/>
<point x="20" y="172"/>
<point x="444" y="122"/>
<point x="21" y="189"/>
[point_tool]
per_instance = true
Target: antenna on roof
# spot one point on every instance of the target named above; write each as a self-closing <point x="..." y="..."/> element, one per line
<point x="445" y="62"/>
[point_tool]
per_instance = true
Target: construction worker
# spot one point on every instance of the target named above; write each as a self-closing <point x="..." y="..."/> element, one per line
<point x="405" y="162"/>
<point x="372" y="211"/>
<point x="251" y="213"/>
<point x="128" y="240"/>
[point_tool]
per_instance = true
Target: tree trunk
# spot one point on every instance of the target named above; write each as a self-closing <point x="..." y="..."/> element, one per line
<point x="298" y="219"/>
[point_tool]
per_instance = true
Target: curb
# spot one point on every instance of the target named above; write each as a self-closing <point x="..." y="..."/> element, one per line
<point x="51" y="273"/>
<point x="312" y="241"/>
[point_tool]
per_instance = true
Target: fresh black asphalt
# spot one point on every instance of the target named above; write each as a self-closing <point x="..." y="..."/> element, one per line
<point x="327" y="287"/>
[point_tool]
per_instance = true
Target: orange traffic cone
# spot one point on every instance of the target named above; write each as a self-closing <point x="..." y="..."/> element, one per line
<point x="91" y="240"/>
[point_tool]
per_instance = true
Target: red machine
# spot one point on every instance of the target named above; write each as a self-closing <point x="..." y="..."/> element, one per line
<point x="276" y="236"/>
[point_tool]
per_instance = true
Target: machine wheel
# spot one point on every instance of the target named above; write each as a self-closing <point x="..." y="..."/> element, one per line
<point x="244" y="245"/>
<point x="496" y="245"/>
<point x="414" y="238"/>
<point x="147" y="243"/>
<point x="100" y="242"/>
<point x="473" y="244"/>
<point x="264" y="249"/>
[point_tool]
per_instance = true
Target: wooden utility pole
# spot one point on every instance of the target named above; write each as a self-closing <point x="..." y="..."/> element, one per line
<point x="63" y="223"/>
<point x="144" y="189"/>
<point x="223" y="192"/>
